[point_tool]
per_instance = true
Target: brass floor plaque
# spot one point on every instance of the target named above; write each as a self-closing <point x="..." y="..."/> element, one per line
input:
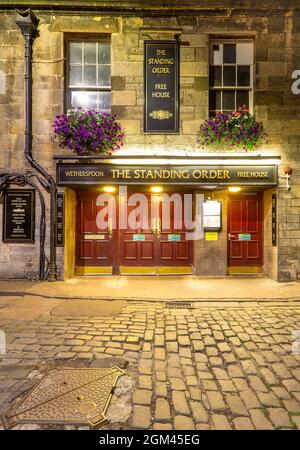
<point x="67" y="396"/>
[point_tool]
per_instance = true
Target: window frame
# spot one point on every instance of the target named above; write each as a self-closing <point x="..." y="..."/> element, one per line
<point x="81" y="37"/>
<point x="250" y="88"/>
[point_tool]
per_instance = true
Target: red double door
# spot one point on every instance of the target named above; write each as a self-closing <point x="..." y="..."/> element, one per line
<point x="245" y="230"/>
<point x="138" y="236"/>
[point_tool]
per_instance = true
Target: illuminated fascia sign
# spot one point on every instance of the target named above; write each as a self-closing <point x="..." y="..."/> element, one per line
<point x="72" y="174"/>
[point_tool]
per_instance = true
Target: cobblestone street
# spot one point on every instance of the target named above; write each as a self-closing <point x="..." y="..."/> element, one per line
<point x="212" y="366"/>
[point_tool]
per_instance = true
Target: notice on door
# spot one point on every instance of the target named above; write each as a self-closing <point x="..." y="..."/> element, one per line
<point x="244" y="237"/>
<point x="138" y="237"/>
<point x="173" y="237"/>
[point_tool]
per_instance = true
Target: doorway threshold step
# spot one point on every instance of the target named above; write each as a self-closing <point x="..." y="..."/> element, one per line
<point x="244" y="270"/>
<point x="162" y="270"/>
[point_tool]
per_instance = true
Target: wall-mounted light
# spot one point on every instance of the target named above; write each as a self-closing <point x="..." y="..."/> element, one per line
<point x="109" y="189"/>
<point x="234" y="189"/>
<point x="156" y="189"/>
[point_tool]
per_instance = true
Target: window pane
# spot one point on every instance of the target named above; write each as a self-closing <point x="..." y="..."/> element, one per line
<point x="104" y="101"/>
<point x="242" y="99"/>
<point x="75" y="52"/>
<point x="229" y="53"/>
<point x="75" y="76"/>
<point x="77" y="99"/>
<point x="103" y="53"/>
<point x="90" y="52"/>
<point x="215" y="75"/>
<point x="215" y="100"/>
<point x="83" y="99"/>
<point x="244" y="53"/>
<point x="104" y="76"/>
<point x="91" y="100"/>
<point x="90" y="76"/>
<point x="228" y="100"/>
<point x="229" y="75"/>
<point x="243" y="76"/>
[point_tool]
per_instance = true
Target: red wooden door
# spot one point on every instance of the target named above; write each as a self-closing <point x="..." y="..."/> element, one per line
<point x="157" y="242"/>
<point x="94" y="247"/>
<point x="245" y="231"/>
<point x="138" y="243"/>
<point x="173" y="247"/>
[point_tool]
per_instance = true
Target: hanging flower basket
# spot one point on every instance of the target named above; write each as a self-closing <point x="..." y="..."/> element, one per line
<point x="238" y="130"/>
<point x="88" y="132"/>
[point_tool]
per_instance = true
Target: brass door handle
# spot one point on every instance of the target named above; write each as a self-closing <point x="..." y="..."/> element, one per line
<point x="158" y="227"/>
<point x="230" y="236"/>
<point x="110" y="226"/>
<point x="153" y="226"/>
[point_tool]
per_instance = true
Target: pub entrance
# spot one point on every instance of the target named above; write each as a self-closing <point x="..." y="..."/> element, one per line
<point x="245" y="233"/>
<point x="137" y="238"/>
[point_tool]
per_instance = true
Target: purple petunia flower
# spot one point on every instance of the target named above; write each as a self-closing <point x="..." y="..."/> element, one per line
<point x="88" y="132"/>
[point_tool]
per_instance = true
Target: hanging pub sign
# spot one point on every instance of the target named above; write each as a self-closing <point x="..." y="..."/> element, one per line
<point x="19" y="216"/>
<point x="59" y="219"/>
<point x="161" y="87"/>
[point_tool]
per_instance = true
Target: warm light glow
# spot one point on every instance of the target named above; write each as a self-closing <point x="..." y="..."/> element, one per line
<point x="156" y="189"/>
<point x="185" y="162"/>
<point x="109" y="189"/>
<point x="234" y="189"/>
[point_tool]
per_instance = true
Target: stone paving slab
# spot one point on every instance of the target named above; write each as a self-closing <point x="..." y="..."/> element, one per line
<point x="224" y="367"/>
<point x="157" y="288"/>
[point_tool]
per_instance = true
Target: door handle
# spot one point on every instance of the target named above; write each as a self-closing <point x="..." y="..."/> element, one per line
<point x="153" y="226"/>
<point x="230" y="236"/>
<point x="110" y="226"/>
<point x="158" y="229"/>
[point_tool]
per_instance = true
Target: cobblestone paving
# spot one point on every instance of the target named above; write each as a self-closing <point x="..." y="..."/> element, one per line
<point x="210" y="367"/>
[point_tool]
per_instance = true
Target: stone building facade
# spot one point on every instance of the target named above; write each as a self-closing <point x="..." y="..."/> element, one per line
<point x="272" y="28"/>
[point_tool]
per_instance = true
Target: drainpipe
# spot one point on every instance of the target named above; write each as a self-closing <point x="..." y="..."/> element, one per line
<point x="28" y="24"/>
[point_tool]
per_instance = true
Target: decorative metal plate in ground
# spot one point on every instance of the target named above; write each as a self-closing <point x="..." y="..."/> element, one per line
<point x="67" y="396"/>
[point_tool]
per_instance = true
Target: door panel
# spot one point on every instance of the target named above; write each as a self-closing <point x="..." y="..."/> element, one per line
<point x="86" y="216"/>
<point x="236" y="219"/>
<point x="252" y="250"/>
<point x="94" y="246"/>
<point x="177" y="252"/>
<point x="137" y="252"/>
<point x="147" y="250"/>
<point x="166" y="251"/>
<point x="245" y="231"/>
<point x="236" y="250"/>
<point x="86" y="251"/>
<point x="183" y="251"/>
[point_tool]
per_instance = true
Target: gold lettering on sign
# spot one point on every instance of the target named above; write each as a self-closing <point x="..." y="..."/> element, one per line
<point x="159" y="66"/>
<point x="211" y="174"/>
<point x="253" y="175"/>
<point x="121" y="173"/>
<point x="84" y="173"/>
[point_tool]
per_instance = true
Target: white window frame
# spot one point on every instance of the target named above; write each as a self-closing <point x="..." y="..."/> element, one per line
<point x="222" y="64"/>
<point x="69" y="87"/>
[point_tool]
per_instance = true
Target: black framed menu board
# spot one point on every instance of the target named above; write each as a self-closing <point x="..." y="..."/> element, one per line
<point x="19" y="216"/>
